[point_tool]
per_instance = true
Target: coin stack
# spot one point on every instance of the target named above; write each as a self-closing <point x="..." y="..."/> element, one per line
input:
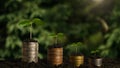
<point x="30" y="51"/>
<point x="55" y="56"/>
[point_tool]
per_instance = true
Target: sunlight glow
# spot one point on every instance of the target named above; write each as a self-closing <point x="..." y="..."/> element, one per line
<point x="98" y="1"/>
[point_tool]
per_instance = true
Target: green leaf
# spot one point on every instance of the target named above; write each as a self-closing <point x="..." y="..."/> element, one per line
<point x="74" y="44"/>
<point x="79" y="44"/>
<point x="38" y="21"/>
<point x="25" y="23"/>
<point x="95" y="51"/>
<point x="60" y="35"/>
<point x="52" y="35"/>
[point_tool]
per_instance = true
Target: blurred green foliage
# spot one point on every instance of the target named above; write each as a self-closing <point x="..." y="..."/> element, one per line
<point x="75" y="18"/>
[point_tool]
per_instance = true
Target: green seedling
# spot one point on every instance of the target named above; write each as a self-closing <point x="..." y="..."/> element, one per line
<point x="95" y="52"/>
<point x="58" y="38"/>
<point x="76" y="46"/>
<point x="28" y="23"/>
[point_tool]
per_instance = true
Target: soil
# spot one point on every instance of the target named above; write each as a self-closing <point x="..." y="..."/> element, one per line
<point x="107" y="63"/>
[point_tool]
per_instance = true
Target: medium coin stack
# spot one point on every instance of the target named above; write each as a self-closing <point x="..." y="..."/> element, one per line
<point x="55" y="56"/>
<point x="30" y="51"/>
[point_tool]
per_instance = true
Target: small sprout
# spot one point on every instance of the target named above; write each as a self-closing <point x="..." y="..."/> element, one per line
<point x="75" y="45"/>
<point x="58" y="38"/>
<point x="95" y="52"/>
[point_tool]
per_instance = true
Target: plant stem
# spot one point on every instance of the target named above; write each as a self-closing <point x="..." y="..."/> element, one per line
<point x="56" y="39"/>
<point x="76" y="50"/>
<point x="31" y="31"/>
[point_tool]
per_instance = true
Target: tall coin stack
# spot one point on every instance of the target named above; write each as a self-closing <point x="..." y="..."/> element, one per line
<point x="30" y="51"/>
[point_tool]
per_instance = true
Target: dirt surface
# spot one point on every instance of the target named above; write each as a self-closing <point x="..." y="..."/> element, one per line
<point x="107" y="63"/>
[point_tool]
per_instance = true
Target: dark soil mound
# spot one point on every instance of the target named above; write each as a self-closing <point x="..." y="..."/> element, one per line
<point x="107" y="63"/>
